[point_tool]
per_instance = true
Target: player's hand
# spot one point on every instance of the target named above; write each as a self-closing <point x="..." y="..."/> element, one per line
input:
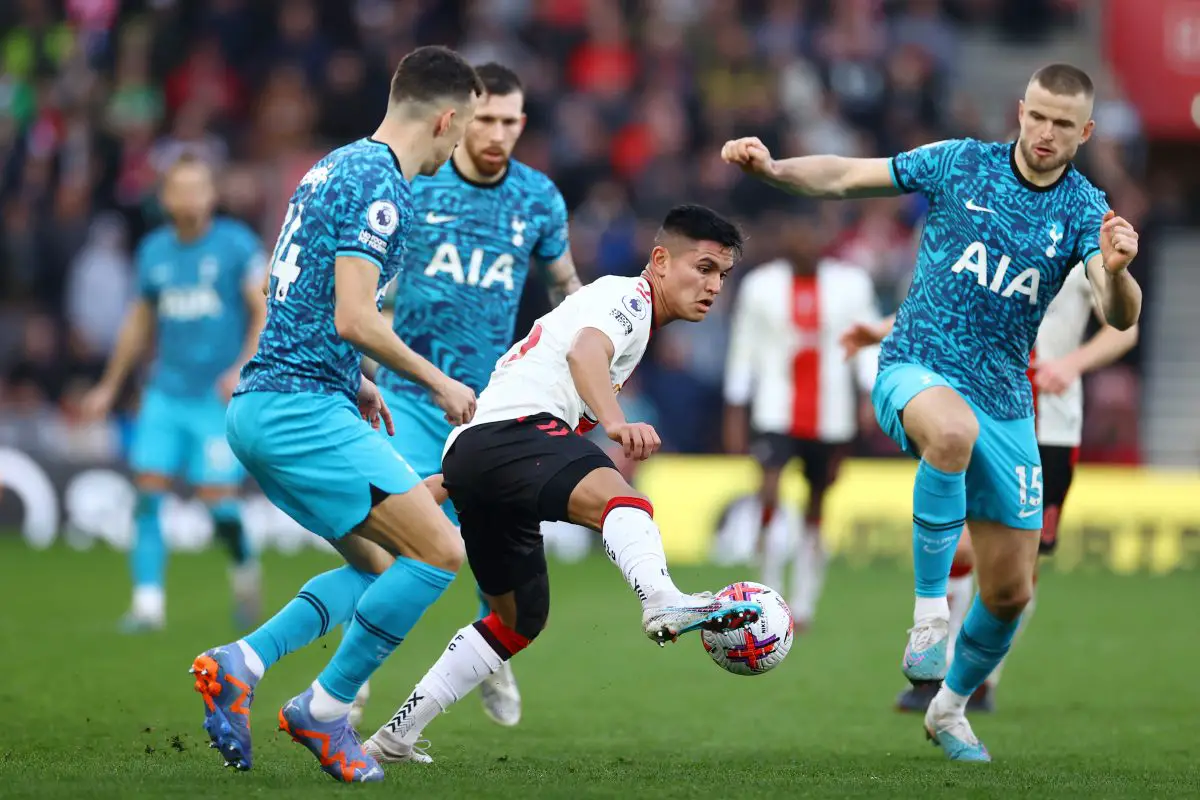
<point x="228" y="382"/>
<point x="96" y="404"/>
<point x="372" y="407"/>
<point x="457" y="400"/>
<point x="860" y="335"/>
<point x="1055" y="377"/>
<point x="750" y="154"/>
<point x="638" y="440"/>
<point x="1118" y="242"/>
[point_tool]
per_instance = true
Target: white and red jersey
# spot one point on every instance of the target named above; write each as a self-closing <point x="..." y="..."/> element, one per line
<point x="784" y="358"/>
<point x="1060" y="416"/>
<point x="533" y="376"/>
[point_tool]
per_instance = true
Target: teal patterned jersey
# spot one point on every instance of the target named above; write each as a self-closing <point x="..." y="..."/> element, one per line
<point x="469" y="254"/>
<point x="353" y="202"/>
<point x="197" y="291"/>
<point x="994" y="252"/>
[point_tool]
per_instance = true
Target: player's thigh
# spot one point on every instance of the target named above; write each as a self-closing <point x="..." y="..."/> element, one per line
<point x="316" y="458"/>
<point x="772" y="451"/>
<point x="529" y="467"/>
<point x="1005" y="559"/>
<point x="599" y="492"/>
<point x="1004" y="479"/>
<point x="1058" y="472"/>
<point x="211" y="461"/>
<point x="421" y="431"/>
<point x="505" y="551"/>
<point x="411" y="524"/>
<point x="916" y="407"/>
<point x="160" y="438"/>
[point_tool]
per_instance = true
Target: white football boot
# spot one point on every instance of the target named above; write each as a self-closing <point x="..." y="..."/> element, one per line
<point x="668" y="614"/>
<point x="501" y="698"/>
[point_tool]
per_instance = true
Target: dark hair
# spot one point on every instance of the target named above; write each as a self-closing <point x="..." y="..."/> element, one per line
<point x="702" y="224"/>
<point x="498" y="79"/>
<point x="183" y="160"/>
<point x="1064" y="79"/>
<point x="433" y="73"/>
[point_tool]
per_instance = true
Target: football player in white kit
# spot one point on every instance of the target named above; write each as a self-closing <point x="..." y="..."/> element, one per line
<point x="787" y="383"/>
<point x="519" y="462"/>
<point x="1057" y="365"/>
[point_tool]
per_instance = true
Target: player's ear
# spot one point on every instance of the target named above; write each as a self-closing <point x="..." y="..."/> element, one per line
<point x="660" y="258"/>
<point x="444" y="120"/>
<point x="1086" y="134"/>
<point x="521" y="126"/>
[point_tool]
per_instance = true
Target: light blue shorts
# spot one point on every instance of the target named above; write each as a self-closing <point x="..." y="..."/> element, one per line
<point x="421" y="432"/>
<point x="184" y="437"/>
<point x="315" y="457"/>
<point x="1004" y="478"/>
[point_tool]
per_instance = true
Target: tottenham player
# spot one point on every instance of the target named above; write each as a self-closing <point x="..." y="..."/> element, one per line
<point x="1006" y="224"/>
<point x="785" y="378"/>
<point x="1059" y="362"/>
<point x="199" y="307"/>
<point x="478" y="223"/>
<point x="305" y="423"/>
<point x="518" y="463"/>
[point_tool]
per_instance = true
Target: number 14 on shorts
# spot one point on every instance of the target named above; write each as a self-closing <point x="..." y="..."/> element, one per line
<point x="1029" y="481"/>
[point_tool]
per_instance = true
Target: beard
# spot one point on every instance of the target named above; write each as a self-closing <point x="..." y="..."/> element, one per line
<point x="487" y="164"/>
<point x="1044" y="164"/>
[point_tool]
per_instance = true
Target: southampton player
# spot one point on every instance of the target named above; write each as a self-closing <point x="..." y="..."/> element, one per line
<point x="1006" y="224"/>
<point x="200" y="308"/>
<point x="302" y="419"/>
<point x="786" y="379"/>
<point x="519" y="462"/>
<point x="1060" y="360"/>
<point x="478" y="223"/>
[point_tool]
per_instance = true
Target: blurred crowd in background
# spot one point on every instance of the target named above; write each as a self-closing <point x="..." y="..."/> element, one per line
<point x="628" y="103"/>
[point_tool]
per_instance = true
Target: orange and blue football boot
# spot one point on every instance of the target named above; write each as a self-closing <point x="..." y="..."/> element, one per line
<point x="335" y="744"/>
<point x="227" y="686"/>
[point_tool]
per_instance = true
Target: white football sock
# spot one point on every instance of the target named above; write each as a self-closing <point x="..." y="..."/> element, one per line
<point x="993" y="680"/>
<point x="634" y="544"/>
<point x="465" y="663"/>
<point x="927" y="607"/>
<point x="253" y="661"/>
<point x="948" y="700"/>
<point x="324" y="706"/>
<point x="808" y="574"/>
<point x="149" y="603"/>
<point x="959" y="593"/>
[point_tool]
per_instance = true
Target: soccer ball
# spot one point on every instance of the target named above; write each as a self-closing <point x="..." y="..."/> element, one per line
<point x="756" y="648"/>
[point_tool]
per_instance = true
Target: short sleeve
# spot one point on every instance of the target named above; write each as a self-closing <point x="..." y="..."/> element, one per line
<point x="554" y="237"/>
<point x="375" y="216"/>
<point x="927" y="168"/>
<point x="1095" y="206"/>
<point x="254" y="259"/>
<point x="620" y="311"/>
<point x="145" y="281"/>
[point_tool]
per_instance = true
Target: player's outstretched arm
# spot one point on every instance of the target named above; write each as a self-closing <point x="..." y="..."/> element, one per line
<point x="358" y="321"/>
<point x="257" y="317"/>
<point x="132" y="340"/>
<point x="589" y="360"/>
<point x="563" y="278"/>
<point x="1116" y="291"/>
<point x="833" y="177"/>
<point x="1109" y="344"/>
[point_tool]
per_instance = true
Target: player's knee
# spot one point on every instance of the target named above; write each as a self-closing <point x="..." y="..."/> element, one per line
<point x="447" y="550"/>
<point x="950" y="445"/>
<point x="1007" y="599"/>
<point x="533" y="606"/>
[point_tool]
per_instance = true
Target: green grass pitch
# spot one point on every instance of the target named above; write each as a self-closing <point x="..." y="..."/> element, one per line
<point x="1099" y="701"/>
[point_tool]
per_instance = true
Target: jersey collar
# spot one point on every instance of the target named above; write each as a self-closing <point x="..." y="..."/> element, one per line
<point x="391" y="152"/>
<point x="1033" y="187"/>
<point x="480" y="184"/>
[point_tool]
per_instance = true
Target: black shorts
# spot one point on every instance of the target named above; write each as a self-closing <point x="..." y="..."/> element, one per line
<point x="822" y="460"/>
<point x="1058" y="470"/>
<point x="504" y="479"/>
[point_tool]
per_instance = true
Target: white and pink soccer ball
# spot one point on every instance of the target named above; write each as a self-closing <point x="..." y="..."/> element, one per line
<point x="756" y="648"/>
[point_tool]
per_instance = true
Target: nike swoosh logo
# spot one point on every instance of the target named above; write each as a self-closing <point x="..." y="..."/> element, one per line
<point x="1024" y="514"/>
<point x="972" y="207"/>
<point x="437" y="219"/>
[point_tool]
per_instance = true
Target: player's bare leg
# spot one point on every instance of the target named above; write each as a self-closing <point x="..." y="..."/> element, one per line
<point x="605" y="502"/>
<point x="809" y="561"/>
<point x="1005" y="562"/>
<point x="767" y="546"/>
<point x="944" y="429"/>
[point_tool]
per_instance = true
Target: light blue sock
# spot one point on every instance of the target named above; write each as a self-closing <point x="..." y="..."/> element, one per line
<point x="327" y="600"/>
<point x="385" y="615"/>
<point x="982" y="643"/>
<point x="939" y="512"/>
<point x="227" y="526"/>
<point x="148" y="558"/>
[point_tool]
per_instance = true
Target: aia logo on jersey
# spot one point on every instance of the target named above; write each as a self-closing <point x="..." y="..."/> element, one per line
<point x="975" y="260"/>
<point x="447" y="261"/>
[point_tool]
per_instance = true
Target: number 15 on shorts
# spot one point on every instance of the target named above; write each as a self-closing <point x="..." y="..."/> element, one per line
<point x="1029" y="481"/>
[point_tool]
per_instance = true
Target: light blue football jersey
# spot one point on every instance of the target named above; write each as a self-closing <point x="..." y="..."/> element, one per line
<point x="353" y="202"/>
<point x="468" y="258"/>
<point x="994" y="252"/>
<point x="197" y="291"/>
